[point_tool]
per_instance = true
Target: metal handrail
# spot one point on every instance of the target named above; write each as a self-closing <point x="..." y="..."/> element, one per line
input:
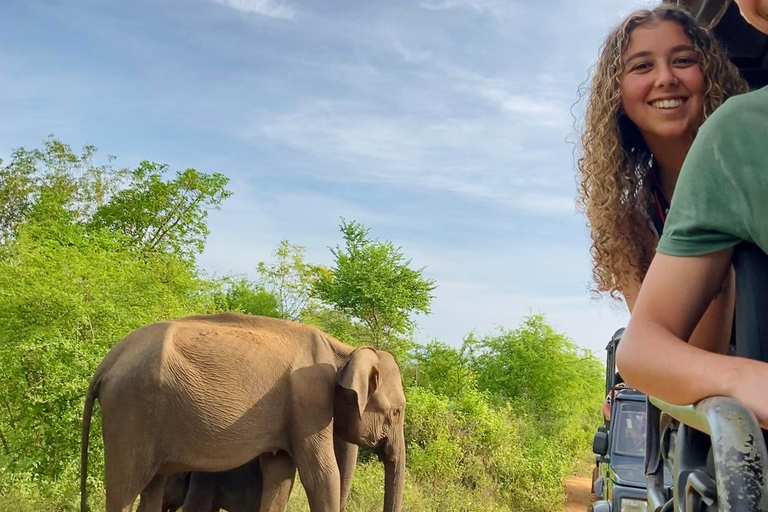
<point x="739" y="452"/>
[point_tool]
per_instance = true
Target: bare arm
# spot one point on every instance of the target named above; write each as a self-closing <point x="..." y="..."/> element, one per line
<point x="713" y="332"/>
<point x="653" y="356"/>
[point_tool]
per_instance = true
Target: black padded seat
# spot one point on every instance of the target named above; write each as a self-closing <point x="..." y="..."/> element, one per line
<point x="751" y="315"/>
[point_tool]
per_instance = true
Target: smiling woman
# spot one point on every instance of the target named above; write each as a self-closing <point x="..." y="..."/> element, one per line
<point x="659" y="75"/>
<point x="662" y="89"/>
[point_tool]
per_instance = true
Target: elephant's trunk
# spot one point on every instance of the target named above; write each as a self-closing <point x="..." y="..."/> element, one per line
<point x="394" y="473"/>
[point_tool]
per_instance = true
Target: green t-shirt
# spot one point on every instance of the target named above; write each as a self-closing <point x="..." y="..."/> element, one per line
<point x="721" y="196"/>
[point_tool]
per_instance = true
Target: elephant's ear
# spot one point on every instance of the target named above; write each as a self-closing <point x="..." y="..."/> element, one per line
<point x="360" y="374"/>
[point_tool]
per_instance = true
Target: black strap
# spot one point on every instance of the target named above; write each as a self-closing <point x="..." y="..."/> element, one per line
<point x="660" y="209"/>
<point x="750" y="319"/>
<point x="652" y="438"/>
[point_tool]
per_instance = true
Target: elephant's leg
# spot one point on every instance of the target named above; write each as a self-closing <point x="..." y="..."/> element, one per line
<point x="124" y="482"/>
<point x="152" y="496"/>
<point x="316" y="462"/>
<point x="127" y="472"/>
<point x="346" y="458"/>
<point x="277" y="473"/>
<point x="201" y="493"/>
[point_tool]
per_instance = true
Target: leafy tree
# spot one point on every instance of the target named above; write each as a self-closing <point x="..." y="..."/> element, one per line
<point x="336" y="323"/>
<point x="66" y="296"/>
<point x="164" y="216"/>
<point x="371" y="281"/>
<point x="443" y="369"/>
<point x="74" y="280"/>
<point x="53" y="177"/>
<point x="542" y="372"/>
<point x="154" y="214"/>
<point x="238" y="293"/>
<point x="289" y="278"/>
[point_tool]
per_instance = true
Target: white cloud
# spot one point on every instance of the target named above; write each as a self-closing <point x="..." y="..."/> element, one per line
<point x="498" y="9"/>
<point x="268" y="8"/>
<point x="545" y="112"/>
<point x="533" y="202"/>
<point x="477" y="158"/>
<point x="541" y="103"/>
<point x="408" y="55"/>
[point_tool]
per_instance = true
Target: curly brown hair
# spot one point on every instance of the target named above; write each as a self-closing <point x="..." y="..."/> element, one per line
<point x="615" y="169"/>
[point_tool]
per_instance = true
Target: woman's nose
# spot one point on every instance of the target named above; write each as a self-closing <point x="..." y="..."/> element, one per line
<point x="666" y="76"/>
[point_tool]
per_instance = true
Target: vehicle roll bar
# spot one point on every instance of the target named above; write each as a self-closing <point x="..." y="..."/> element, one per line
<point x="738" y="452"/>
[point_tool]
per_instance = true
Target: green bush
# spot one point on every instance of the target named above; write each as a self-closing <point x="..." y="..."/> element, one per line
<point x="66" y="296"/>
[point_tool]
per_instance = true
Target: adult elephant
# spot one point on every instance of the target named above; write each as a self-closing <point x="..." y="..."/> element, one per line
<point x="233" y="387"/>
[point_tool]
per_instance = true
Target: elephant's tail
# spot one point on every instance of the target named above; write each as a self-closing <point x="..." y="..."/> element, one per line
<point x="90" y="398"/>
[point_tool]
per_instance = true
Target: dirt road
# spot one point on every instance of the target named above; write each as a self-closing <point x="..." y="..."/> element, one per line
<point x="577" y="489"/>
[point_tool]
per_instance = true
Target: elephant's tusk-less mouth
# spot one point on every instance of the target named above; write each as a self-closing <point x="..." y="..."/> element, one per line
<point x="380" y="449"/>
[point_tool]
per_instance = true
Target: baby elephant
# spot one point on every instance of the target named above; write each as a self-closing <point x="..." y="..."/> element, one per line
<point x="236" y="490"/>
<point x="241" y="489"/>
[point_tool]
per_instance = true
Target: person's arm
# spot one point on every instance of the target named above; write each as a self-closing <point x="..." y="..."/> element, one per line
<point x="713" y="332"/>
<point x="653" y="356"/>
<point x="607" y="406"/>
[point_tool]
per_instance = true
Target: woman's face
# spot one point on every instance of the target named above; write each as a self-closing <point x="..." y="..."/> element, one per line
<point x="662" y="86"/>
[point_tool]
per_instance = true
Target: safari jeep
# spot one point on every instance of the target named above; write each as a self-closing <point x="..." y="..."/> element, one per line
<point x="618" y="482"/>
<point x="620" y="449"/>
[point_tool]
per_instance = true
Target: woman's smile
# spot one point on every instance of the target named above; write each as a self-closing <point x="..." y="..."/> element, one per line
<point x="669" y="104"/>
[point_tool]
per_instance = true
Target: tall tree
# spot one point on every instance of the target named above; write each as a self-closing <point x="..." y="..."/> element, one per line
<point x="238" y="293"/>
<point x="289" y="278"/>
<point x="157" y="215"/>
<point x="53" y="180"/>
<point x="160" y="215"/>
<point x="74" y="280"/>
<point x="372" y="281"/>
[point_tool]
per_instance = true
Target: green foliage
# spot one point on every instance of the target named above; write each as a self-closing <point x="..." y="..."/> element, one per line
<point x="337" y="324"/>
<point x="290" y="279"/>
<point x="419" y="496"/>
<point x="507" y="416"/>
<point x="73" y="282"/>
<point x="155" y="215"/>
<point x="238" y="293"/>
<point x="443" y="370"/>
<point x="66" y="296"/>
<point x="544" y="374"/>
<point x="164" y="216"/>
<point x="52" y="179"/>
<point x="466" y="441"/>
<point x="371" y="281"/>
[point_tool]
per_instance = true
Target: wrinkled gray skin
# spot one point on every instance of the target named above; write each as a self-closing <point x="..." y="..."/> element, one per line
<point x="239" y="489"/>
<point x="236" y="387"/>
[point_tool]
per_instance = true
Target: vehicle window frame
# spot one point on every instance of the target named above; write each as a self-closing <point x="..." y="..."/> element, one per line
<point x="617" y="434"/>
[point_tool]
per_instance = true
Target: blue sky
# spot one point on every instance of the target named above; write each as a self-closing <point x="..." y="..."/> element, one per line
<point x="445" y="126"/>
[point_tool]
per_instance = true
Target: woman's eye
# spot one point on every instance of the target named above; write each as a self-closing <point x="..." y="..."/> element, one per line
<point x="643" y="66"/>
<point x="685" y="61"/>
